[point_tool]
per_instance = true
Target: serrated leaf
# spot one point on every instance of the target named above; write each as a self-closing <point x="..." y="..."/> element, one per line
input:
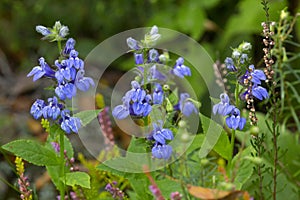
<point x="78" y="178"/>
<point x="87" y="116"/>
<point x="32" y="152"/>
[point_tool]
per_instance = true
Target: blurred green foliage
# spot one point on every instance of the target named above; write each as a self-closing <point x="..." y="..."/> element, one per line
<point x="216" y="24"/>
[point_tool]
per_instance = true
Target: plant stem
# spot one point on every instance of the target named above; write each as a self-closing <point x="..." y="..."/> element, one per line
<point x="62" y="159"/>
<point x="59" y="46"/>
<point x="236" y="96"/>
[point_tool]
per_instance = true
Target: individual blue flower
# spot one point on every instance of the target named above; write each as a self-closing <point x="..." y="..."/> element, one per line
<point x="244" y="58"/>
<point x="180" y="69"/>
<point x="42" y="30"/>
<point x="158" y="95"/>
<point x="63" y="31"/>
<point x="230" y="64"/>
<point x="162" y="151"/>
<point x="153" y="55"/>
<point x="83" y="83"/>
<point x="186" y="106"/>
<point x="236" y="54"/>
<point x="156" y="74"/>
<point x="140" y="109"/>
<point x="132" y="43"/>
<point x="65" y="71"/>
<point x="75" y="61"/>
<point x="154" y="35"/>
<point x="257" y="75"/>
<point x="69" y="124"/>
<point x="160" y="134"/>
<point x="259" y="92"/>
<point x="120" y="112"/>
<point x="43" y="70"/>
<point x="37" y="108"/>
<point x="235" y="121"/>
<point x="138" y="58"/>
<point x="52" y="109"/>
<point x="70" y="44"/>
<point x="136" y="94"/>
<point x="65" y="90"/>
<point x="224" y="107"/>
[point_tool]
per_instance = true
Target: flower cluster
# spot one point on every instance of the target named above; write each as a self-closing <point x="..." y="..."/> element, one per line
<point x="234" y="120"/>
<point x="68" y="74"/>
<point x="115" y="191"/>
<point x="250" y="79"/>
<point x="151" y="89"/>
<point x="23" y="182"/>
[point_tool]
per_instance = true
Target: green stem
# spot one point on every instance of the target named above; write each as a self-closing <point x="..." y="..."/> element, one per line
<point x="59" y="46"/>
<point x="236" y="95"/>
<point x="62" y="159"/>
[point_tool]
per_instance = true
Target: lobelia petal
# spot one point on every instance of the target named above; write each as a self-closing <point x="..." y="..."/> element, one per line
<point x="120" y="112"/>
<point x="34" y="70"/>
<point x="38" y="75"/>
<point x="242" y="123"/>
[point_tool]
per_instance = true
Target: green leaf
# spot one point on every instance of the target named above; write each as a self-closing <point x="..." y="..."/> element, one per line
<point x="167" y="186"/>
<point x="157" y="114"/>
<point x="245" y="166"/>
<point x="87" y="116"/>
<point x="54" y="173"/>
<point x="78" y="178"/>
<point x="32" y="152"/>
<point x="191" y="18"/>
<point x="223" y="146"/>
<point x="212" y="131"/>
<point x="137" y="145"/>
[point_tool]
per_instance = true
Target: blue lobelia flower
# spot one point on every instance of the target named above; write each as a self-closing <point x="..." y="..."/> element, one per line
<point x="158" y="95"/>
<point x="141" y="108"/>
<point x="156" y="74"/>
<point x="154" y="35"/>
<point x="65" y="71"/>
<point x="161" y="151"/>
<point x="63" y="31"/>
<point x="160" y="134"/>
<point x="120" y="111"/>
<point x="37" y="108"/>
<point x="180" y="69"/>
<point x="65" y="90"/>
<point x="257" y="75"/>
<point x="42" y="30"/>
<point x="230" y="64"/>
<point x="83" y="83"/>
<point x="75" y="61"/>
<point x="70" y="44"/>
<point x="186" y="106"/>
<point x="244" y="57"/>
<point x="259" y="92"/>
<point x="52" y="109"/>
<point x="132" y="43"/>
<point x="153" y="55"/>
<point x="224" y="107"/>
<point x="139" y="59"/>
<point x="43" y="70"/>
<point x="135" y="102"/>
<point x="235" y="121"/>
<point x="68" y="123"/>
